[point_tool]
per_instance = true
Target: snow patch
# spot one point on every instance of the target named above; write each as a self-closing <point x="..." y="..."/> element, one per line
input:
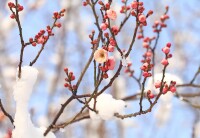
<point x="106" y="106"/>
<point x="24" y="128"/>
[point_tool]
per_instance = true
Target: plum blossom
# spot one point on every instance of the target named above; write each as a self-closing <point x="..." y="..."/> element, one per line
<point x="101" y="55"/>
<point x="111" y="48"/>
<point x="115" y="29"/>
<point x="111" y="14"/>
<point x="104" y="26"/>
<point x="164" y="62"/>
<point x="142" y="18"/>
<point x="40" y="40"/>
<point x="111" y="63"/>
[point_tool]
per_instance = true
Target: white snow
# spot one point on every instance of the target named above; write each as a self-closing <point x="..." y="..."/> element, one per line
<point x="24" y="128"/>
<point x="106" y="106"/>
<point x="125" y="61"/>
<point x="163" y="113"/>
<point x="197" y="128"/>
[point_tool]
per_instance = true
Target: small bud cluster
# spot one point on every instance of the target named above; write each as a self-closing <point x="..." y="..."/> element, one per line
<point x="91" y="36"/>
<point x="108" y="14"/>
<point x="166" y="51"/>
<point x="58" y="15"/>
<point x="146" y="67"/>
<point x="150" y="95"/>
<point x="41" y="37"/>
<point x="147" y="41"/>
<point x="19" y="8"/>
<point x="124" y="8"/>
<point x="137" y="10"/>
<point x="171" y="87"/>
<point x="70" y="77"/>
<point x="158" y="25"/>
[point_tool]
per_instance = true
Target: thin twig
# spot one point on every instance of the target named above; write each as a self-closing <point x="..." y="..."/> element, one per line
<point x="6" y="113"/>
<point x="16" y="13"/>
<point x="151" y="105"/>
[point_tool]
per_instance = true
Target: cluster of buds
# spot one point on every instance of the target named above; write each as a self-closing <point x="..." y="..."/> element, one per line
<point x="171" y="87"/>
<point x="58" y="15"/>
<point x="41" y="37"/>
<point x="146" y="67"/>
<point x="125" y="7"/>
<point x="146" y="42"/>
<point x="150" y="95"/>
<point x="158" y="25"/>
<point x="70" y="77"/>
<point x="19" y="8"/>
<point x="137" y="9"/>
<point x="166" y="51"/>
<point x="91" y="36"/>
<point x="108" y="14"/>
<point x="111" y="45"/>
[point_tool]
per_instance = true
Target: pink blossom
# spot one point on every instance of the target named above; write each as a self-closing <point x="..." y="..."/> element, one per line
<point x="166" y="50"/>
<point x="101" y="55"/>
<point x="111" y="14"/>
<point x="148" y="53"/>
<point x="40" y="40"/>
<point x="157" y="84"/>
<point x="168" y="45"/>
<point x="134" y="4"/>
<point x="111" y="63"/>
<point x="145" y="44"/>
<point x="173" y="89"/>
<point x="104" y="26"/>
<point x="115" y="29"/>
<point x="165" y="89"/>
<point x="146" y="74"/>
<point x="156" y="23"/>
<point x="142" y="18"/>
<point x="151" y="96"/>
<point x="165" y="62"/>
<point x="145" y="65"/>
<point x="111" y="48"/>
<point x="112" y="41"/>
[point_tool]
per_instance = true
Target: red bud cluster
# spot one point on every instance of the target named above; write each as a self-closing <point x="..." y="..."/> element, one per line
<point x="19" y="8"/>
<point x="41" y="37"/>
<point x="158" y="25"/>
<point x="70" y="77"/>
<point x="171" y="87"/>
<point x="150" y="95"/>
<point x="166" y="51"/>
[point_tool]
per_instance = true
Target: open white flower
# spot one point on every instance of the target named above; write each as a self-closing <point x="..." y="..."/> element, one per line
<point x="101" y="55"/>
